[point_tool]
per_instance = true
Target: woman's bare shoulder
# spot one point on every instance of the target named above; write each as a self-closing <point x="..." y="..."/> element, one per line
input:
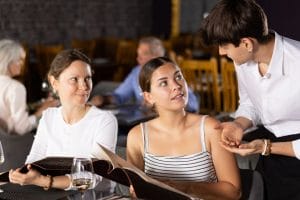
<point x="135" y="131"/>
<point x="210" y="122"/>
<point x="135" y="134"/>
<point x="212" y="128"/>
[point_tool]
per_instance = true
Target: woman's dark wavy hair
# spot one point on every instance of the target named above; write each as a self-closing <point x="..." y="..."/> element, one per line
<point x="148" y="69"/>
<point x="64" y="59"/>
<point x="231" y="20"/>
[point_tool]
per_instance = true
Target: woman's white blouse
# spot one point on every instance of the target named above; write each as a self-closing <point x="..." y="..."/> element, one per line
<point x="13" y="107"/>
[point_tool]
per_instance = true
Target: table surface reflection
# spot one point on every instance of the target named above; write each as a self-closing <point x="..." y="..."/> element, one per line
<point x="17" y="192"/>
<point x="131" y="114"/>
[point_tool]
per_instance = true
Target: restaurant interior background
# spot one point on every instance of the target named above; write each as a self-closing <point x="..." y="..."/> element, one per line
<point x="45" y="23"/>
<point x="56" y="22"/>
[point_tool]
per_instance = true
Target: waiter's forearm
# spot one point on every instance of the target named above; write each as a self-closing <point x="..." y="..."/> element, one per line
<point x="243" y="122"/>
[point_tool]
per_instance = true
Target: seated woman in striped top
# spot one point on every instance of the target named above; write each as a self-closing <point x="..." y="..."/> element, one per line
<point x="180" y="148"/>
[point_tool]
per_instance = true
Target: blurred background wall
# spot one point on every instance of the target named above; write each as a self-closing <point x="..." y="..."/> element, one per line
<point x="59" y="21"/>
<point x="283" y="16"/>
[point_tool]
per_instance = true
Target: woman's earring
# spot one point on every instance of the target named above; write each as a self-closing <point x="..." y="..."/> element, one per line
<point x="54" y="94"/>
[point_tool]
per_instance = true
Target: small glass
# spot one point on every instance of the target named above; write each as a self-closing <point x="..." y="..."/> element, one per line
<point x="2" y="158"/>
<point x="82" y="174"/>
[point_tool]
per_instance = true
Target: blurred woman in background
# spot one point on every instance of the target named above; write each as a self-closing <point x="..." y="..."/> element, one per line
<point x="14" y="117"/>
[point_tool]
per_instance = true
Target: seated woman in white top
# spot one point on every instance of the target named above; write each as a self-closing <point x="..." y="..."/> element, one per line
<point x="72" y="129"/>
<point x="180" y="148"/>
<point x="14" y="117"/>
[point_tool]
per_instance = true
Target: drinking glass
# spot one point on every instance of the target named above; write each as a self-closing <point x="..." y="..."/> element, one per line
<point x="2" y="159"/>
<point x="82" y="174"/>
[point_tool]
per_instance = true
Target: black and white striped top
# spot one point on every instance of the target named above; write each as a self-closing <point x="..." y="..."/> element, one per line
<point x="196" y="167"/>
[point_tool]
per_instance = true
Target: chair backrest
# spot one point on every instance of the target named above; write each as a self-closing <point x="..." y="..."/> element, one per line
<point x="182" y="42"/>
<point x="229" y="86"/>
<point x="202" y="76"/>
<point x="252" y="185"/>
<point x="125" y="58"/>
<point x="111" y="47"/>
<point x="167" y="45"/>
<point x="16" y="148"/>
<point x="86" y="46"/>
<point x="45" y="55"/>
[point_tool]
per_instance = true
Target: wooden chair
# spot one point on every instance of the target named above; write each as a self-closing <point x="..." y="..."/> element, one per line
<point x="125" y="58"/>
<point x="45" y="55"/>
<point x="106" y="47"/>
<point x="182" y="42"/>
<point x="86" y="46"/>
<point x="229" y="86"/>
<point x="202" y="76"/>
<point x="167" y="45"/>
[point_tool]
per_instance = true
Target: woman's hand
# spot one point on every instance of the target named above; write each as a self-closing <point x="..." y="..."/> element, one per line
<point x="253" y="147"/>
<point x="132" y="192"/>
<point x="31" y="177"/>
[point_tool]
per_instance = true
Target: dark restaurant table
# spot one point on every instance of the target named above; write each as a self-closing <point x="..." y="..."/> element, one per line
<point x="30" y="192"/>
<point x="132" y="114"/>
<point x="128" y="116"/>
<point x="17" y="192"/>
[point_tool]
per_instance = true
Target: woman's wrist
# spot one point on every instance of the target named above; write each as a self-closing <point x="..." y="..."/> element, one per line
<point x="46" y="182"/>
<point x="70" y="185"/>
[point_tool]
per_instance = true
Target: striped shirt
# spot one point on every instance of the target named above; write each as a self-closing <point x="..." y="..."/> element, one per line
<point x="195" y="167"/>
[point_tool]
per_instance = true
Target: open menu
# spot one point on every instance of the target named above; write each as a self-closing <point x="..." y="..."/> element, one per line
<point x="113" y="167"/>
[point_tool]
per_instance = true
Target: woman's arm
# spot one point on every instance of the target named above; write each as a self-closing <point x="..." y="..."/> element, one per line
<point x="208" y="191"/>
<point x="134" y="148"/>
<point x="227" y="171"/>
<point x="33" y="177"/>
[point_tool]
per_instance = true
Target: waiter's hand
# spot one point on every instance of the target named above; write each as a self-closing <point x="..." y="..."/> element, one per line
<point x="253" y="147"/>
<point x="232" y="133"/>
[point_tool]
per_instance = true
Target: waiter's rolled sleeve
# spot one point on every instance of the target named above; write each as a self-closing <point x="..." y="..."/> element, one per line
<point x="296" y="148"/>
<point x="248" y="113"/>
